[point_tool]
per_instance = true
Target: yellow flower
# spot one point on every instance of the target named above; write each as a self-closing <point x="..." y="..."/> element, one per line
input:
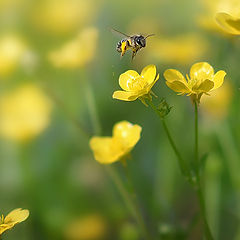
<point x="202" y="80"/>
<point x="24" y="113"/>
<point x="63" y="16"/>
<point x="182" y="49"/>
<point x="107" y="150"/>
<point x="14" y="217"/>
<point x="12" y="50"/>
<point x="217" y="105"/>
<point x="91" y="227"/>
<point x="229" y="23"/>
<point x="78" y="52"/>
<point x="135" y="85"/>
<point x="215" y="6"/>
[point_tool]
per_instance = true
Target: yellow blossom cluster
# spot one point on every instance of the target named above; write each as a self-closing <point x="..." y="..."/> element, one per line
<point x="201" y="80"/>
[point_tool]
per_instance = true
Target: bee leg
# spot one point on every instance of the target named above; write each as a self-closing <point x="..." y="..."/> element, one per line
<point x="133" y="54"/>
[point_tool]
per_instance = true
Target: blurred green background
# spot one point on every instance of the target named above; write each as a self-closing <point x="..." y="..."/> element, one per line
<point x="58" y="70"/>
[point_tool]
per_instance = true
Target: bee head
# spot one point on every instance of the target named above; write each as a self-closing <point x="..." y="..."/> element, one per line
<point x="141" y="41"/>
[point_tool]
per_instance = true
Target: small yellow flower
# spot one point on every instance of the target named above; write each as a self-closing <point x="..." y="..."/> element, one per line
<point x="12" y="50"/>
<point x="228" y="23"/>
<point x="91" y="227"/>
<point x="202" y="80"/>
<point x="77" y="52"/>
<point x="182" y="49"/>
<point x="217" y="6"/>
<point x="63" y="16"/>
<point x="217" y="105"/>
<point x="107" y="150"/>
<point x="24" y="113"/>
<point x="14" y="217"/>
<point x="135" y="85"/>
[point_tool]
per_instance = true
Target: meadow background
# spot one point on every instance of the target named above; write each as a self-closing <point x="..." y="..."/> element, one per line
<point x="58" y="70"/>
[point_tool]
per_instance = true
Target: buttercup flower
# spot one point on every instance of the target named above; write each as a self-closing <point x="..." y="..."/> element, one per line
<point x="230" y="24"/>
<point x="135" y="85"/>
<point x="90" y="227"/>
<point x="77" y="52"/>
<point x="12" y="50"/>
<point x="202" y="80"/>
<point x="107" y="150"/>
<point x="182" y="49"/>
<point x="24" y="113"/>
<point x="63" y="16"/>
<point x="217" y="105"/>
<point x="217" y="6"/>
<point x="14" y="217"/>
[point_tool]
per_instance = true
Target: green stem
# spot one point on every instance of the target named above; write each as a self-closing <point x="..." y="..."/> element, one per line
<point x="200" y="196"/>
<point x="196" y="137"/>
<point x="68" y="113"/>
<point x="128" y="201"/>
<point x="183" y="166"/>
<point x="201" y="200"/>
<point x="92" y="107"/>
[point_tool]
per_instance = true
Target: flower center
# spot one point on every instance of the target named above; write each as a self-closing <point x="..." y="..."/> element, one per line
<point x="137" y="84"/>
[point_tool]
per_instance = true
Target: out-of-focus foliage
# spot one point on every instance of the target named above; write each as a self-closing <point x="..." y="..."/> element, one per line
<point x="58" y="70"/>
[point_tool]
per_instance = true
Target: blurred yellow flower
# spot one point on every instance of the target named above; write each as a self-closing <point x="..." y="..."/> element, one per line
<point x="107" y="150"/>
<point x="228" y="23"/>
<point x="14" y="217"/>
<point x="24" y="113"/>
<point x="91" y="227"/>
<point x="135" y="85"/>
<point x="63" y="16"/>
<point x="217" y="105"/>
<point x="202" y="80"/>
<point x="215" y="6"/>
<point x="181" y="49"/>
<point x="12" y="50"/>
<point x="78" y="52"/>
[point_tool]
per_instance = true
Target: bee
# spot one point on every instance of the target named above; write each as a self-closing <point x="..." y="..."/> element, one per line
<point x="134" y="43"/>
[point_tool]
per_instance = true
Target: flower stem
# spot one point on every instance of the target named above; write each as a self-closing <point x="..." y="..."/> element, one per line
<point x="91" y="104"/>
<point x="196" y="137"/>
<point x="183" y="166"/>
<point x="128" y="200"/>
<point x="200" y="196"/>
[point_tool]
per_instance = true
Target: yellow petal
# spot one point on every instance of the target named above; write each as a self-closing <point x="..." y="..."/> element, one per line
<point x="16" y="216"/>
<point x="228" y="23"/>
<point x="204" y="87"/>
<point x="172" y="75"/>
<point x="151" y="85"/>
<point x="218" y="79"/>
<point x="178" y="86"/>
<point x="149" y="73"/>
<point x="127" y="133"/>
<point x="5" y="227"/>
<point x="201" y="71"/>
<point x="126" y="79"/>
<point x="106" y="150"/>
<point x="125" y="96"/>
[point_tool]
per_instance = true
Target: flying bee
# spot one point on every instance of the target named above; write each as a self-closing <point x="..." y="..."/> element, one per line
<point x="134" y="43"/>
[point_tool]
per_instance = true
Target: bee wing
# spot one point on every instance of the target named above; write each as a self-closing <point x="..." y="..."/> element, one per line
<point x="114" y="31"/>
